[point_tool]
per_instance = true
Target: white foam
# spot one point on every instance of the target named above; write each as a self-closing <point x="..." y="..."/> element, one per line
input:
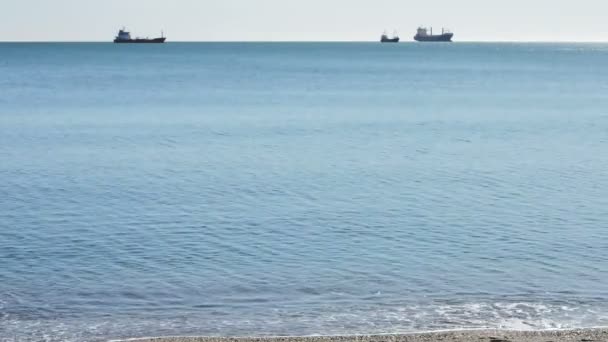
<point x="331" y="321"/>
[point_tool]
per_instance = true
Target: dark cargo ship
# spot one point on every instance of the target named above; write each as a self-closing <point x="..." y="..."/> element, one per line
<point x="125" y="37"/>
<point x="386" y="39"/>
<point x="423" y="35"/>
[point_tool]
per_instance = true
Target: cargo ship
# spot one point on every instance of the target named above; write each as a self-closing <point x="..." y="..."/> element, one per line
<point x="125" y="37"/>
<point x="386" y="39"/>
<point x="423" y="35"/>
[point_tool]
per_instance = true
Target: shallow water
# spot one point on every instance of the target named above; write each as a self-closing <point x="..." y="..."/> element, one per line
<point x="299" y="189"/>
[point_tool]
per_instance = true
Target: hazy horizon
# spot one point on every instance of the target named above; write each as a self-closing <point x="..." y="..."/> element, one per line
<point x="302" y="21"/>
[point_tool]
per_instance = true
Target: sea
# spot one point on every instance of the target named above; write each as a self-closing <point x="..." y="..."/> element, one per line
<point x="295" y="189"/>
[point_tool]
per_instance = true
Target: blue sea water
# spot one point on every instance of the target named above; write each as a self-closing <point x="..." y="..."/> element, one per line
<point x="301" y="188"/>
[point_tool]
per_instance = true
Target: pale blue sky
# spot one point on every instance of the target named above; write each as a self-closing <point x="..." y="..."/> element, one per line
<point x="308" y="20"/>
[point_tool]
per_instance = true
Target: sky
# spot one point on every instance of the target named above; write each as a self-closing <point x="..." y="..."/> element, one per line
<point x="302" y="20"/>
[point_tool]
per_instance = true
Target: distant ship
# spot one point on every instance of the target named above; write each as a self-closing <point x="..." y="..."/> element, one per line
<point x="386" y="39"/>
<point x="125" y="37"/>
<point x="423" y="35"/>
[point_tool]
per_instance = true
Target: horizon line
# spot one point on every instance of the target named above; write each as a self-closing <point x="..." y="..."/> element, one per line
<point x="314" y="41"/>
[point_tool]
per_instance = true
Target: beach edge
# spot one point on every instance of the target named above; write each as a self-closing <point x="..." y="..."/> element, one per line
<point x="574" y="335"/>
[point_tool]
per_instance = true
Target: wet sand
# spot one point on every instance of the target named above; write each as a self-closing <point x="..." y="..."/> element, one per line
<point x="587" y="335"/>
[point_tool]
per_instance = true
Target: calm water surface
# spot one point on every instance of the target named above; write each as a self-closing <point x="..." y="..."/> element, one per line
<point x="298" y="189"/>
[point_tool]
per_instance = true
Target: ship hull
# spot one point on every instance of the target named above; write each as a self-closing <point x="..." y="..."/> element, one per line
<point x="389" y="40"/>
<point x="140" y="41"/>
<point x="446" y="37"/>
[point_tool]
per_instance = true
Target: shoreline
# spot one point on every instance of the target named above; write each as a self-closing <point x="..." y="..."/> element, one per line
<point x="489" y="335"/>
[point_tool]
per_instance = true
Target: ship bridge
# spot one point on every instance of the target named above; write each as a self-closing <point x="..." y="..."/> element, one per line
<point x="123" y="35"/>
<point x="422" y="31"/>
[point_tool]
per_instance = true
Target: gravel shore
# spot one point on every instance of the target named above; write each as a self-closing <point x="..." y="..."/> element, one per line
<point x="587" y="335"/>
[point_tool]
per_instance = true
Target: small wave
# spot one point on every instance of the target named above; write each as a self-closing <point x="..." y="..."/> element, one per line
<point x="338" y="320"/>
